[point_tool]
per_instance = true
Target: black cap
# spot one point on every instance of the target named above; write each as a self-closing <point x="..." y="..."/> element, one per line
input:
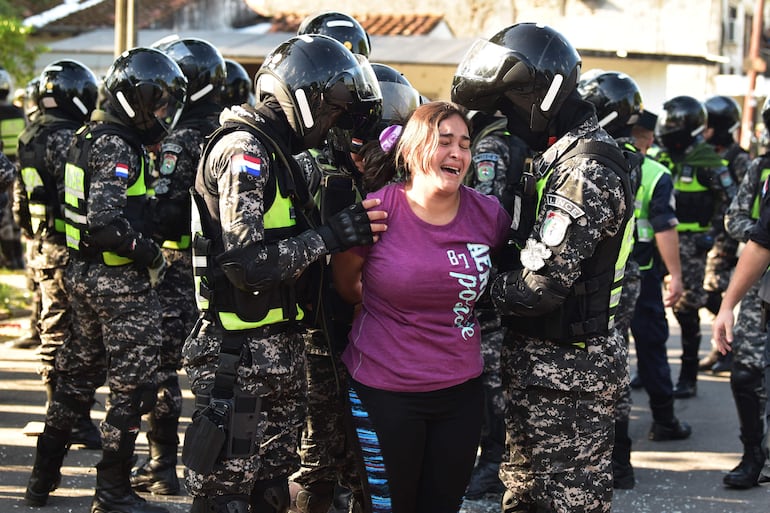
<point x="647" y="120"/>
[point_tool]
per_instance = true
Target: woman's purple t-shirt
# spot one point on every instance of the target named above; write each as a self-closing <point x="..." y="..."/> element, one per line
<point x="417" y="330"/>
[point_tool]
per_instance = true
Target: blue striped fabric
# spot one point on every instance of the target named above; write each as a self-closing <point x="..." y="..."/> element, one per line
<point x="370" y="449"/>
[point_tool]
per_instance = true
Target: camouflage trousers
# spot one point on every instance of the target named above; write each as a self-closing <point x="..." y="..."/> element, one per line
<point x="114" y="337"/>
<point x="177" y="298"/>
<point x="623" y="316"/>
<point x="328" y="449"/>
<point x="720" y="262"/>
<point x="693" y="270"/>
<point x="272" y="367"/>
<point x="560" y="422"/>
<point x="55" y="320"/>
<point x="748" y="333"/>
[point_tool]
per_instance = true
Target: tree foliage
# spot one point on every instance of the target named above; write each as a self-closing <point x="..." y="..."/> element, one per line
<point x="16" y="53"/>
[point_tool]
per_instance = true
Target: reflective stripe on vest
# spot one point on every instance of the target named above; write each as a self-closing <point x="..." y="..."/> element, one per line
<point x="692" y="186"/>
<point x="75" y="203"/>
<point x="10" y="129"/>
<point x="278" y="216"/>
<point x="758" y="193"/>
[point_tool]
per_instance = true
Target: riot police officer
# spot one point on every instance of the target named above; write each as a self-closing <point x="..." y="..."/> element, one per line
<point x="65" y="99"/>
<point x="749" y="336"/>
<point x="12" y="123"/>
<point x="112" y="270"/>
<point x="257" y="255"/>
<point x="703" y="184"/>
<point x="177" y="159"/>
<point x="563" y="363"/>
<point x="723" y="119"/>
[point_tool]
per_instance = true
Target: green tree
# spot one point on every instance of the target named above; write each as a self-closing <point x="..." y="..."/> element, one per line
<point x="17" y="55"/>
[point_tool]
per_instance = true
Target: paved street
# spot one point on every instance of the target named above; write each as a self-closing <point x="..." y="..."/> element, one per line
<point x="672" y="477"/>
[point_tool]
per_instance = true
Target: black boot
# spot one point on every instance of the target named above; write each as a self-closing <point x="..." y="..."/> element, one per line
<point x="747" y="386"/>
<point x="46" y="472"/>
<point x="689" y="322"/>
<point x="221" y="504"/>
<point x="687" y="386"/>
<point x="158" y="473"/>
<point x="113" y="490"/>
<point x="622" y="471"/>
<point x="665" y="425"/>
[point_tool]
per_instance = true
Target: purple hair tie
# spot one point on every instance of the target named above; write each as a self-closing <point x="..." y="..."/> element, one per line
<point x="389" y="137"/>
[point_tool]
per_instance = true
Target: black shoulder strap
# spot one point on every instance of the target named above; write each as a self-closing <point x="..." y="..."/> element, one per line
<point x="606" y="153"/>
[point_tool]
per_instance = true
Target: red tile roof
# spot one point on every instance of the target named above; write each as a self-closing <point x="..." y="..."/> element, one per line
<point x="153" y="14"/>
<point x="374" y="24"/>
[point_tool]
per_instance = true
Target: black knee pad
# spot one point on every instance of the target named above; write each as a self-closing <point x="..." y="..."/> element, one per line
<point x="144" y="398"/>
<point x="270" y="496"/>
<point x="315" y="498"/>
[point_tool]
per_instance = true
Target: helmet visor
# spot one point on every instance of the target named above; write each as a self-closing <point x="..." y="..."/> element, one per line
<point x="356" y="92"/>
<point x="488" y="62"/>
<point x="167" y="111"/>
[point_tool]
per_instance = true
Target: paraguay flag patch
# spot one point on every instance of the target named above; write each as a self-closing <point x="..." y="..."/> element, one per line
<point x="121" y="170"/>
<point x="245" y="164"/>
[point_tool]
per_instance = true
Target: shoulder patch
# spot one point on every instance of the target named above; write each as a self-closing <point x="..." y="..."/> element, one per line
<point x="170" y="148"/>
<point x="248" y="164"/>
<point x="121" y="170"/>
<point x="562" y="203"/>
<point x="554" y="228"/>
<point x="168" y="164"/>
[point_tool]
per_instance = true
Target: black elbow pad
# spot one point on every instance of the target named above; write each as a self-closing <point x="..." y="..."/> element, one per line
<point x="526" y="294"/>
<point x="252" y="268"/>
<point x="111" y="237"/>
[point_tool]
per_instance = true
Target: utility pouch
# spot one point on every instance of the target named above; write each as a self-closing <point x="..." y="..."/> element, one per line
<point x="205" y="438"/>
<point x="242" y="428"/>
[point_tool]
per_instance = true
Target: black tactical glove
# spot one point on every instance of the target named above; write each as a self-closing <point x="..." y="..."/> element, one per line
<point x="348" y="228"/>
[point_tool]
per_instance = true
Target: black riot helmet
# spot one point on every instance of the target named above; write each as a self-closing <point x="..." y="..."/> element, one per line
<point x="147" y="90"/>
<point x="680" y="123"/>
<point x="526" y="71"/>
<point x="69" y="89"/>
<point x="319" y="84"/>
<point x="6" y="84"/>
<point x="202" y="65"/>
<point x="237" y="88"/>
<point x="724" y="117"/>
<point x="31" y="98"/>
<point x="616" y="97"/>
<point x="340" y="26"/>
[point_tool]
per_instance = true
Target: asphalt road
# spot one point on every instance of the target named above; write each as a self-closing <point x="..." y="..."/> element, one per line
<point x="672" y="477"/>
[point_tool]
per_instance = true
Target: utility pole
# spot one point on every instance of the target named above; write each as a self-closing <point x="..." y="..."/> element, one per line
<point x="755" y="64"/>
<point x="125" y="25"/>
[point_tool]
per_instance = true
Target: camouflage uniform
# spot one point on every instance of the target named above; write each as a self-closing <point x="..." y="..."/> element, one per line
<point x="721" y="258"/>
<point x="702" y="167"/>
<point x="271" y="364"/>
<point x="12" y="123"/>
<point x="751" y="346"/>
<point x="562" y="396"/>
<point x="116" y="331"/>
<point x="740" y="218"/>
<point x="7" y="172"/>
<point x="328" y="447"/>
<point x="48" y="252"/>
